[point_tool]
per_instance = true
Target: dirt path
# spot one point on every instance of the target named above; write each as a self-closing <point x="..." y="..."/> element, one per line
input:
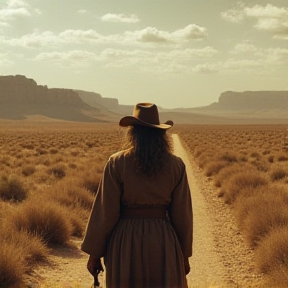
<point x="220" y="259"/>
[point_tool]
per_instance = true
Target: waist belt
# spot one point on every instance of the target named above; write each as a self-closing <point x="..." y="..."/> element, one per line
<point x="143" y="212"/>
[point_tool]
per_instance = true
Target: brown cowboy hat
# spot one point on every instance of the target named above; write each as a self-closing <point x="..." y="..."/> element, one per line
<point x="145" y="114"/>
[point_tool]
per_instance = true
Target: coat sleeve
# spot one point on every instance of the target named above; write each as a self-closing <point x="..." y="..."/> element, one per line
<point x="104" y="214"/>
<point x="181" y="214"/>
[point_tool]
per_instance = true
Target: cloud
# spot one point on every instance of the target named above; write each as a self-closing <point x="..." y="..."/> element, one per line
<point x="153" y="35"/>
<point x="190" y="32"/>
<point x="175" y="61"/>
<point x="243" y="48"/>
<point x="269" y="18"/>
<point x="145" y="60"/>
<point x="16" y="4"/>
<point x="235" y="15"/>
<point x="120" y="18"/>
<point x="33" y="40"/>
<point x="206" y="69"/>
<point x="75" y="58"/>
<point x="82" y="11"/>
<point x="15" y="9"/>
<point x="149" y="36"/>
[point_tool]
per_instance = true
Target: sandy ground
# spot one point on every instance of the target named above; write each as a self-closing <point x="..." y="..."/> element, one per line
<point x="220" y="257"/>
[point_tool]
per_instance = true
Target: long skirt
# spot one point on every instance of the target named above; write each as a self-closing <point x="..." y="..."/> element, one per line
<point x="144" y="253"/>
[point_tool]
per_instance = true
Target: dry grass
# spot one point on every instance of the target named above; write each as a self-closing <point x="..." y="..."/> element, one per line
<point x="56" y="171"/>
<point x="12" y="266"/>
<point x="248" y="166"/>
<point x="265" y="211"/>
<point x="19" y="252"/>
<point x="278" y="173"/>
<point x="12" y="188"/>
<point x="240" y="181"/>
<point x="46" y="220"/>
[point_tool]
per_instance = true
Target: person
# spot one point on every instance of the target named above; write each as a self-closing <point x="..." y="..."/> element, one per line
<point x="141" y="221"/>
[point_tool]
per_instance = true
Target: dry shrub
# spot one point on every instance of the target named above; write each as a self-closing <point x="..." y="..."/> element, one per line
<point x="28" y="170"/>
<point x="214" y="167"/>
<point x="228" y="171"/>
<point x="5" y="160"/>
<point x="75" y="201"/>
<point x="205" y="158"/>
<point x="41" y="151"/>
<point x="19" y="251"/>
<point x="12" y="266"/>
<point x="198" y="151"/>
<point x="58" y="170"/>
<point x="47" y="220"/>
<point x="239" y="181"/>
<point x="261" y="165"/>
<point x="12" y="188"/>
<point x="255" y="154"/>
<point x="278" y="173"/>
<point x="263" y="211"/>
<point x="282" y="157"/>
<point x="53" y="151"/>
<point x="272" y="252"/>
<point x="228" y="156"/>
<point x="271" y="159"/>
<point x="76" y="217"/>
<point x="33" y="249"/>
<point x="90" y="180"/>
<point x="69" y="194"/>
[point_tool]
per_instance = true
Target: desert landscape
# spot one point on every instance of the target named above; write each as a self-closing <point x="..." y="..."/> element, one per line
<point x="55" y="143"/>
<point x="70" y="70"/>
<point x="238" y="176"/>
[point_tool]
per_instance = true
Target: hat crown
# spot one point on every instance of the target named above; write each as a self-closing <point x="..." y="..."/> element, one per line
<point x="147" y="112"/>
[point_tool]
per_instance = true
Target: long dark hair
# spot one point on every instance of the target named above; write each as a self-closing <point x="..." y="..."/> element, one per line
<point x="149" y="147"/>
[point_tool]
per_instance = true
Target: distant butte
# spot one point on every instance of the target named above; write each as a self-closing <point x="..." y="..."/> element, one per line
<point x="21" y="97"/>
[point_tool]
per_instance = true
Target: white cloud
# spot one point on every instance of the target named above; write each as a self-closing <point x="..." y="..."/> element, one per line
<point x="33" y="40"/>
<point x="12" y="13"/>
<point x="235" y="15"/>
<point x="190" y="32"/>
<point x="269" y="18"/>
<point x="122" y="18"/>
<point x="15" y="9"/>
<point x="82" y="11"/>
<point x="149" y="36"/>
<point x="16" y="4"/>
<point x="206" y="68"/>
<point x="153" y="35"/>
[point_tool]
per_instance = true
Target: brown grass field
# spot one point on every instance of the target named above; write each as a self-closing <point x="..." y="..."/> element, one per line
<point x="49" y="173"/>
<point x="249" y="168"/>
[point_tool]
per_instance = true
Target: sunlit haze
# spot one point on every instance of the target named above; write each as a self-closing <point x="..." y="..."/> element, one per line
<point x="173" y="53"/>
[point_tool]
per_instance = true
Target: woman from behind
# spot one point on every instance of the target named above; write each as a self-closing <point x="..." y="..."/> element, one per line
<point x="141" y="221"/>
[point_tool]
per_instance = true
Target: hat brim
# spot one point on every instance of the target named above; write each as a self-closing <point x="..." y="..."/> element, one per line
<point x="131" y="121"/>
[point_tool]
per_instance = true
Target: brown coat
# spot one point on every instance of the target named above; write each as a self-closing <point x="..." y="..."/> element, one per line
<point x="121" y="185"/>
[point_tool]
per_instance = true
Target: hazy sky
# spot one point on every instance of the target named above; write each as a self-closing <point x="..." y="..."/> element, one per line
<point x="175" y="53"/>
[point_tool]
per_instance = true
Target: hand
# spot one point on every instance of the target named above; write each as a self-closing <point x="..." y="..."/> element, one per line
<point x="94" y="265"/>
<point x="186" y="266"/>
